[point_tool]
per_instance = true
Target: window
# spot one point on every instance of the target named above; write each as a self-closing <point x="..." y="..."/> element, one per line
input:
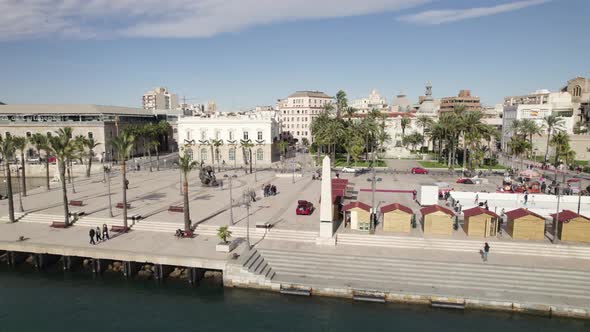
<point x="259" y="135"/>
<point x="217" y="134"/>
<point x="28" y="134"/>
<point x="189" y="153"/>
<point x="48" y="134"/>
<point x="204" y="154"/>
<point x="188" y="135"/>
<point x="203" y="135"/>
<point x="232" y="154"/>
<point x="259" y="154"/>
<point x="245" y="135"/>
<point x="7" y="134"/>
<point x="90" y="135"/>
<point x="577" y="91"/>
<point x="231" y="135"/>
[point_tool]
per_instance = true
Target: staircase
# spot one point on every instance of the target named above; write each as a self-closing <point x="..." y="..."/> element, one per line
<point x="498" y="247"/>
<point x="499" y="282"/>
<point x="17" y="217"/>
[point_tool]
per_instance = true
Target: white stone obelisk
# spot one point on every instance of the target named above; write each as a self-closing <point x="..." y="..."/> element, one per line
<point x="326" y="206"/>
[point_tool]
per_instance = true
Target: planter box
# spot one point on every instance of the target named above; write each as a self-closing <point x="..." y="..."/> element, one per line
<point x="226" y="247"/>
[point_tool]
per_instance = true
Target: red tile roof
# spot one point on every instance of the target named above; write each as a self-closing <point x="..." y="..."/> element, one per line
<point x="567" y="215"/>
<point x="396" y="206"/>
<point x="476" y="211"/>
<point x="433" y="208"/>
<point x="519" y="213"/>
<point x="339" y="181"/>
<point x="357" y="204"/>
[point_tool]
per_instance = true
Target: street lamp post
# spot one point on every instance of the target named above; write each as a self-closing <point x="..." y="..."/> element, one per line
<point x="20" y="199"/>
<point x="246" y="203"/>
<point x="231" y="200"/>
<point x="556" y="221"/>
<point x="373" y="181"/>
<point x="107" y="174"/>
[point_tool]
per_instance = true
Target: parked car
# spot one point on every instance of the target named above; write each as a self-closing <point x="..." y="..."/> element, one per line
<point x="465" y="181"/>
<point x="33" y="160"/>
<point x="419" y="170"/>
<point x="349" y="170"/>
<point x="304" y="208"/>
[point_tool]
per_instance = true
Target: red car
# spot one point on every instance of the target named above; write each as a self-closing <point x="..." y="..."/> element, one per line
<point x="419" y="170"/>
<point x="304" y="208"/>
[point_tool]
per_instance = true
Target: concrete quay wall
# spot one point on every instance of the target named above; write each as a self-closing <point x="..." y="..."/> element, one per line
<point x="243" y="281"/>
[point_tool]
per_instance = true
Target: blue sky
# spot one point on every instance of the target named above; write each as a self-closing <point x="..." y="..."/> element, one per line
<point x="243" y="53"/>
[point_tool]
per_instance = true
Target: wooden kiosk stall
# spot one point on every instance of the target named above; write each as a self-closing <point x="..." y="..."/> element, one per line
<point x="480" y="222"/>
<point x="397" y="218"/>
<point x="437" y="220"/>
<point x="360" y="215"/>
<point x="525" y="225"/>
<point x="573" y="227"/>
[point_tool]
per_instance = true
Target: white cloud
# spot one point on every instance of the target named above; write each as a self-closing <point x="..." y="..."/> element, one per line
<point x="452" y="15"/>
<point x="171" y="18"/>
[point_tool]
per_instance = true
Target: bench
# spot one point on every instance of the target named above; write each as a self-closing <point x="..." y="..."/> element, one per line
<point x="76" y="203"/>
<point x="173" y="208"/>
<point x="58" y="224"/>
<point x="136" y="217"/>
<point x="265" y="225"/>
<point x="120" y="205"/>
<point x="119" y="229"/>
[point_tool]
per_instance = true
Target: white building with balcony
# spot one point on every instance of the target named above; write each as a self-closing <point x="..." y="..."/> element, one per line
<point x="198" y="136"/>
<point x="373" y="101"/>
<point x="537" y="106"/>
<point x="298" y="110"/>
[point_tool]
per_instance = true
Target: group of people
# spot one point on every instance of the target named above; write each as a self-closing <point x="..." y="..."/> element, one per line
<point x="269" y="190"/>
<point x="97" y="236"/>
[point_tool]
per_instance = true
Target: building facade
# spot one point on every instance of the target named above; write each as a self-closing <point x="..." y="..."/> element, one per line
<point x="579" y="88"/>
<point x="536" y="106"/>
<point x="298" y="110"/>
<point x="262" y="129"/>
<point x="373" y="101"/>
<point x="102" y="123"/>
<point x="159" y="99"/>
<point x="471" y="103"/>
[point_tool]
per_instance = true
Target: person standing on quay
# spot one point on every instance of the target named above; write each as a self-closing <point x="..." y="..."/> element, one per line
<point x="486" y="250"/>
<point x="105" y="232"/>
<point x="98" y="237"/>
<point x="91" y="233"/>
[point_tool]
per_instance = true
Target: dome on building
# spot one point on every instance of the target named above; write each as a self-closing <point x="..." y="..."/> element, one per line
<point x="401" y="103"/>
<point x="428" y="106"/>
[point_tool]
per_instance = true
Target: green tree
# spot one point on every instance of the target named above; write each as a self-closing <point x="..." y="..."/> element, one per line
<point x="341" y="103"/>
<point x="8" y="150"/>
<point x="123" y="144"/>
<point x="186" y="165"/>
<point x="553" y="124"/>
<point x="404" y="122"/>
<point x="153" y="144"/>
<point x="215" y="144"/>
<point x="282" y="146"/>
<point x="247" y="145"/>
<point x="63" y="147"/>
<point x="41" y="143"/>
<point x="90" y="144"/>
<point x="350" y="112"/>
<point x="20" y="143"/>
<point x="224" y="233"/>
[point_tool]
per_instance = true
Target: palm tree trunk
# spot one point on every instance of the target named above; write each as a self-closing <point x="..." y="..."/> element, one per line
<point x="71" y="171"/>
<point x="124" y="173"/>
<point x="157" y="159"/>
<point x="47" y="170"/>
<point x="250" y="160"/>
<point x="547" y="148"/>
<point x="185" y="208"/>
<point x="69" y="167"/>
<point x="62" y="172"/>
<point x="23" y="175"/>
<point x="150" y="158"/>
<point x="89" y="166"/>
<point x="9" y="193"/>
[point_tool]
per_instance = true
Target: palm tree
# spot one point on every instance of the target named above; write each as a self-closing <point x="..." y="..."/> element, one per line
<point x="247" y="145"/>
<point x="224" y="233"/>
<point x="318" y="127"/>
<point x="404" y="122"/>
<point x="186" y="165"/>
<point x="7" y="150"/>
<point x="519" y="147"/>
<point x="41" y="143"/>
<point x="162" y="129"/>
<point x="90" y="144"/>
<point x="472" y="129"/>
<point x="152" y="145"/>
<point x="20" y="143"/>
<point x="63" y="148"/>
<point x="350" y="112"/>
<point x="215" y="144"/>
<point x="424" y="122"/>
<point x="282" y="146"/>
<point x="530" y="128"/>
<point x="341" y="103"/>
<point x="123" y="144"/>
<point x="552" y="123"/>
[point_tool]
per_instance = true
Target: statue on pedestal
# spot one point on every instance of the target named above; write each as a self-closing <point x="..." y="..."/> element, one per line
<point x="207" y="176"/>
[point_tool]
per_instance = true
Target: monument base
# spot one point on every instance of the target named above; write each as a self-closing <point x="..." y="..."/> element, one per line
<point x="323" y="241"/>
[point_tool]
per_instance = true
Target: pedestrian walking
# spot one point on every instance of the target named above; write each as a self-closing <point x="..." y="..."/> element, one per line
<point x="98" y="237"/>
<point x="127" y="184"/>
<point x="486" y="205"/>
<point x="486" y="250"/>
<point x="476" y="199"/>
<point x="91" y="233"/>
<point x="105" y="232"/>
<point x="526" y="197"/>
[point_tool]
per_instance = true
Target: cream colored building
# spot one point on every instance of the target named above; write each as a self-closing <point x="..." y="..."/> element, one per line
<point x="160" y="99"/>
<point x="298" y="110"/>
<point x="259" y="128"/>
<point x="373" y="101"/>
<point x="102" y="123"/>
